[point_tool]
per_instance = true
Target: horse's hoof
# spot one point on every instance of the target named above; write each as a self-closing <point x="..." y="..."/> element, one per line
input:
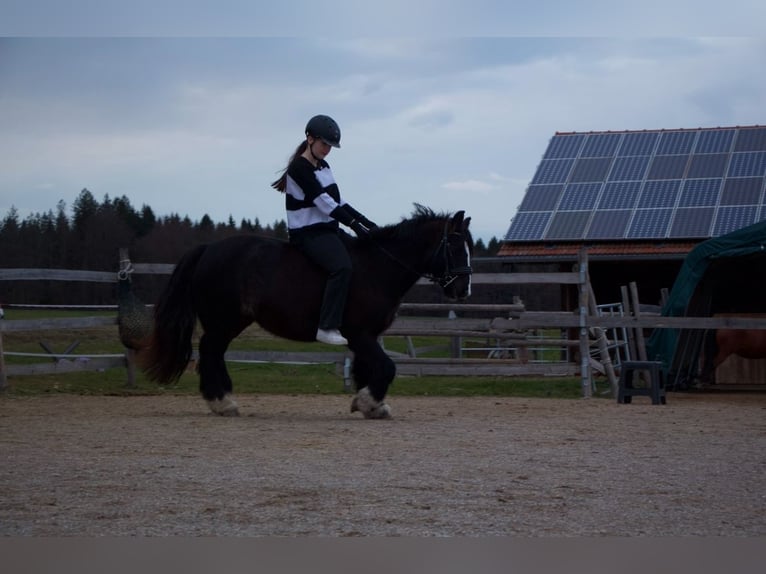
<point x="226" y="407"/>
<point x="369" y="407"/>
<point x="382" y="411"/>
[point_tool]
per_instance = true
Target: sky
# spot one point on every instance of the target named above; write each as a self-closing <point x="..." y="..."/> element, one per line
<point x="193" y="107"/>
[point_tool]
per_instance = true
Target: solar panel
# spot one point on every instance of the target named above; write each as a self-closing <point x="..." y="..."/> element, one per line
<point x="579" y="196"/>
<point x="747" y="164"/>
<point x="730" y="219"/>
<point x="638" y="143"/>
<point x="708" y="165"/>
<point x="668" y="167"/>
<point x="692" y="222"/>
<point x="700" y="192"/>
<point x="591" y="169"/>
<point x="751" y="139"/>
<point x="629" y="168"/>
<point x="742" y="191"/>
<point x="649" y="223"/>
<point x="609" y="224"/>
<point x="568" y="224"/>
<point x="714" y="141"/>
<point x="528" y="224"/>
<point x="541" y="197"/>
<point x="553" y="171"/>
<point x="601" y="145"/>
<point x="645" y="185"/>
<point x="564" y="146"/>
<point x="619" y="195"/>
<point x="674" y="143"/>
<point x="659" y="193"/>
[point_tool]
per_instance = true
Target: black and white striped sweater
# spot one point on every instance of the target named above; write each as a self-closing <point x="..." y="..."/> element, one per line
<point x="312" y="199"/>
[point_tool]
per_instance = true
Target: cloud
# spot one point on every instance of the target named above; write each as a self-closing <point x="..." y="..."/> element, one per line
<point x="203" y="125"/>
<point x="470" y="186"/>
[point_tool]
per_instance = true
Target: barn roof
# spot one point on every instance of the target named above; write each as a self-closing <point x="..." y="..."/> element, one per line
<point x="640" y="193"/>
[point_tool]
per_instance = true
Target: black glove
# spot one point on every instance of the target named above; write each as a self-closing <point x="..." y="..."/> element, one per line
<point x="367" y="223"/>
<point x="360" y="228"/>
<point x="349" y="216"/>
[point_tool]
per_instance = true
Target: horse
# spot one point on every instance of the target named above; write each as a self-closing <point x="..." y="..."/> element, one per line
<point x="720" y="344"/>
<point x="229" y="284"/>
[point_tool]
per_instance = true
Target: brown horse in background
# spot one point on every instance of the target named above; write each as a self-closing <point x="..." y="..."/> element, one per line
<point x="719" y="344"/>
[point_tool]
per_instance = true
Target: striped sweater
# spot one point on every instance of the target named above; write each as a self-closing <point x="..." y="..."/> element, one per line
<point x="312" y="199"/>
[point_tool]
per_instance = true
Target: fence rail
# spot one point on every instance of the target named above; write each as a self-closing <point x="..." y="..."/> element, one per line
<point x="506" y="328"/>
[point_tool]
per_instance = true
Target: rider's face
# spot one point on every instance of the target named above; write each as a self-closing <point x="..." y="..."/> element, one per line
<point x="319" y="147"/>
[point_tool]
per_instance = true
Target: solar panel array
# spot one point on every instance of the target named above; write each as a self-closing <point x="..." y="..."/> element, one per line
<point x="668" y="184"/>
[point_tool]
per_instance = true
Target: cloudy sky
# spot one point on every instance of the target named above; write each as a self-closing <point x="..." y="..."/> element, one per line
<point x="194" y="111"/>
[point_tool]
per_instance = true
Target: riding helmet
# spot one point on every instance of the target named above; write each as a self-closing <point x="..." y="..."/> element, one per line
<point x="325" y="128"/>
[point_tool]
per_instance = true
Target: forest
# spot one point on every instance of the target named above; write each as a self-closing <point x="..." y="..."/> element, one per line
<point x="91" y="235"/>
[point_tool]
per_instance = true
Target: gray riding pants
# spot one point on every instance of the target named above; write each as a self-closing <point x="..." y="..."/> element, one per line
<point x="328" y="251"/>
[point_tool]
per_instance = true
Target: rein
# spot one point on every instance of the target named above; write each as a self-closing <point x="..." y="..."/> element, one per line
<point x="442" y="250"/>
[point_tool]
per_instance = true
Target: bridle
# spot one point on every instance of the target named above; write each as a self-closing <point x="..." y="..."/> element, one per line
<point x="441" y="254"/>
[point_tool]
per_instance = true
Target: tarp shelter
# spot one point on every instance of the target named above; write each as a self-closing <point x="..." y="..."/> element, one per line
<point x="724" y="274"/>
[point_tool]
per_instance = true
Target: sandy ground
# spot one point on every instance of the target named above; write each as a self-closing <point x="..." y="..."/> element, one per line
<point x="303" y="465"/>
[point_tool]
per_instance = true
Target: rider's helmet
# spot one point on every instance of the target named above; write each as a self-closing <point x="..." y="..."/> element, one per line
<point x="325" y="128"/>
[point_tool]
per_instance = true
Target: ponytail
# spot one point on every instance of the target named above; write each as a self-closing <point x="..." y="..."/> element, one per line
<point x="281" y="183"/>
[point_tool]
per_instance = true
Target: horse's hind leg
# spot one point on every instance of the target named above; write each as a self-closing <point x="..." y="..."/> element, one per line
<point x="214" y="380"/>
<point x="373" y="373"/>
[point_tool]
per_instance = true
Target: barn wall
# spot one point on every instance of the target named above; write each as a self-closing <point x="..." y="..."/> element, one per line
<point x="738" y="371"/>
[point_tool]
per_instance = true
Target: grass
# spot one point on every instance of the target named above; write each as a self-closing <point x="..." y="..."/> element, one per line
<point x="248" y="378"/>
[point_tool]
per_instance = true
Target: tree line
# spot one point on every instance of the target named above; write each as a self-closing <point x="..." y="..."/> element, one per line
<point x="91" y="236"/>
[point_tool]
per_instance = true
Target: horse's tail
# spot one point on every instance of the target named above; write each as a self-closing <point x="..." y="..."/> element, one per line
<point x="170" y="348"/>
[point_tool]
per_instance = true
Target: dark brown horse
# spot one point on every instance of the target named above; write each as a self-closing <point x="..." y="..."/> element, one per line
<point x="234" y="282"/>
<point x="720" y="344"/>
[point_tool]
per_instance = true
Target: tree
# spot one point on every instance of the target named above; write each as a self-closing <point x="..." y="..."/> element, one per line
<point x="84" y="208"/>
<point x="280" y="229"/>
<point x="10" y="224"/>
<point x="148" y="220"/>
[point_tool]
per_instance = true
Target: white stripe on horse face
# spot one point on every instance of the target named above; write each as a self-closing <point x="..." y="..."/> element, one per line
<point x="468" y="260"/>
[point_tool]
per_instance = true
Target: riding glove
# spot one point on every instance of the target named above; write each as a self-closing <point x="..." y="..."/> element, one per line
<point x="349" y="216"/>
<point x="361" y="229"/>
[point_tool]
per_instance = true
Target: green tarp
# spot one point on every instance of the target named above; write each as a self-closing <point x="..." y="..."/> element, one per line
<point x="746" y="241"/>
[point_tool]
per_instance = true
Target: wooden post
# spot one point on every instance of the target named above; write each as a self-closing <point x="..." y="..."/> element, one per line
<point x="631" y="332"/>
<point x="456" y="342"/>
<point x="130" y="355"/>
<point x="3" y="378"/>
<point x="582" y="287"/>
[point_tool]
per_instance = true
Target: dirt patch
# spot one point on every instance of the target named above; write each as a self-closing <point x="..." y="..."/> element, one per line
<point x="303" y="465"/>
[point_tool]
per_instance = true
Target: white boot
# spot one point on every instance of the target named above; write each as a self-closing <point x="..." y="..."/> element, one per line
<point x="331" y="337"/>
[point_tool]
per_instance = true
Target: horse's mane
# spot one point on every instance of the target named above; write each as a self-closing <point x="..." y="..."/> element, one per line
<point x="405" y="228"/>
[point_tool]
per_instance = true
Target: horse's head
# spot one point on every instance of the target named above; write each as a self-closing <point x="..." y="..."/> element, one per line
<point x="451" y="262"/>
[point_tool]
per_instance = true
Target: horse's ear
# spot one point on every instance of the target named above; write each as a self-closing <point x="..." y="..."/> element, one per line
<point x="457" y="220"/>
<point x="466" y="223"/>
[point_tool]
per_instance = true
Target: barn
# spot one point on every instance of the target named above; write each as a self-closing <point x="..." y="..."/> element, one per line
<point x="640" y="202"/>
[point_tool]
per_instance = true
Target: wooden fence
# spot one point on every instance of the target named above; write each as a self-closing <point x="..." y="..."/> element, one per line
<point x="506" y="326"/>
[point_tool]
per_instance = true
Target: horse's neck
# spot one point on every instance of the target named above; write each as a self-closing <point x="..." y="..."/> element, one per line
<point x="404" y="262"/>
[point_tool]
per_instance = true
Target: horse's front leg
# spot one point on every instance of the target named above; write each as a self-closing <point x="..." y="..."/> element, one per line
<point x="373" y="373"/>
